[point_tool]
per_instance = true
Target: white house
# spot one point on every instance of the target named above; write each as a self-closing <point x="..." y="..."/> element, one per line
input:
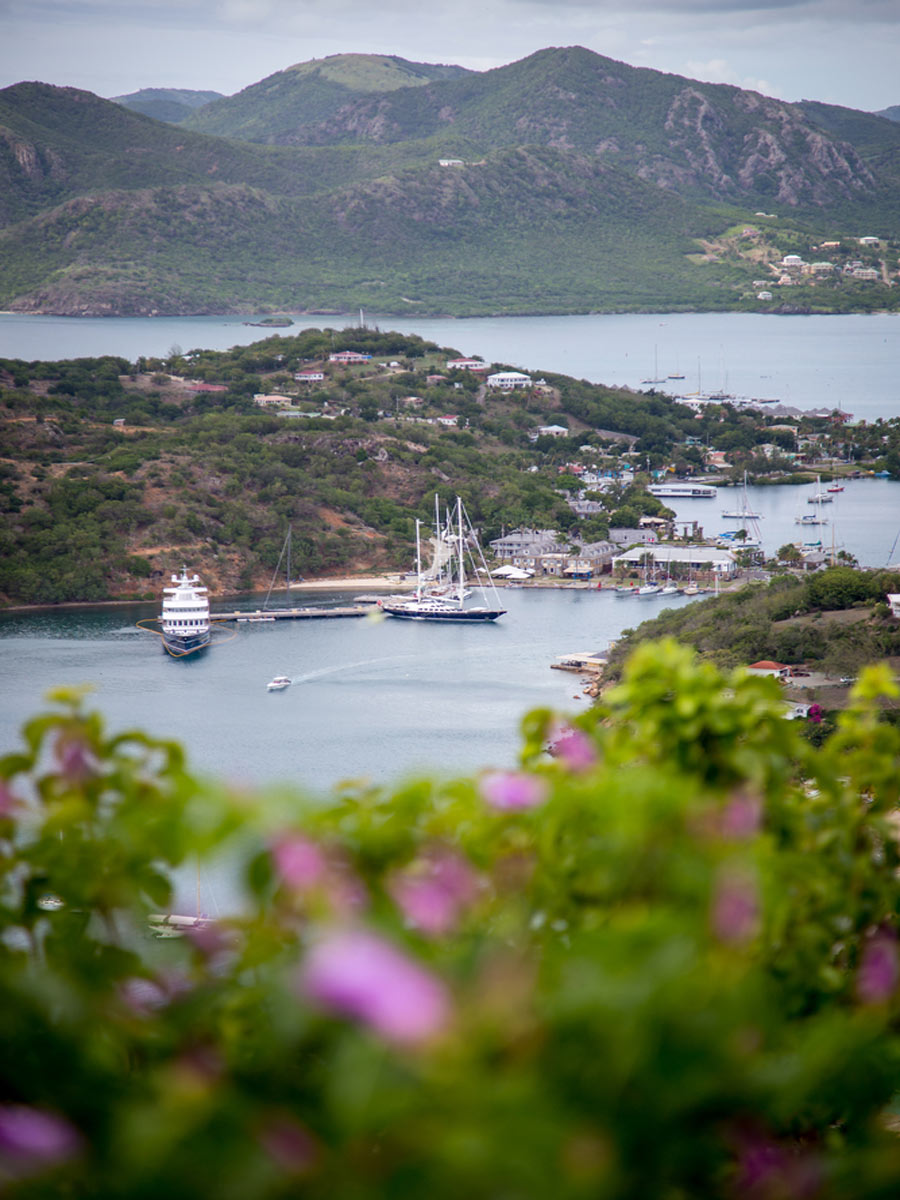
<point x="466" y="364"/>
<point x="893" y="599"/>
<point x="508" y="381"/>
<point x="349" y="356"/>
<point x="271" y="401"/>
<point x="766" y="667"/>
<point x="310" y="376"/>
<point x="696" y="558"/>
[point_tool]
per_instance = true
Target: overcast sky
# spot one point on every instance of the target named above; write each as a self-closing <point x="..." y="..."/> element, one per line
<point x="839" y="51"/>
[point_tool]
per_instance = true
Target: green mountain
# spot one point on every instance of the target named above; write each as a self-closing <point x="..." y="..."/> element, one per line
<point x="702" y="139"/>
<point x="578" y="184"/>
<point x="166" y="104"/>
<point x="280" y="108"/>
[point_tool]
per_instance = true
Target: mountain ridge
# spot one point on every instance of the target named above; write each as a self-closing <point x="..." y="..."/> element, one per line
<point x="435" y="196"/>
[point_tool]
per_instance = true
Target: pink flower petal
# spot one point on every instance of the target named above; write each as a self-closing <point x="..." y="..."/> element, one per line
<point x="735" y="915"/>
<point x="512" y="791"/>
<point x="360" y="975"/>
<point x="433" y="891"/>
<point x="300" y="862"/>
<point x="31" y="1138"/>
<point x="573" y="747"/>
<point x="878" y="970"/>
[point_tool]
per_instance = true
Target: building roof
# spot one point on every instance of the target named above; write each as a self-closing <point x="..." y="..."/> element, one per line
<point x="766" y="664"/>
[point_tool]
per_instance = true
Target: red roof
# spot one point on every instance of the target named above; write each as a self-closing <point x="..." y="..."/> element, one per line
<point x="766" y="664"/>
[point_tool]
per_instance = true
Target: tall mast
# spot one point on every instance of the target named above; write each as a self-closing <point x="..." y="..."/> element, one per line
<point x="462" y="582"/>
<point x="418" y="563"/>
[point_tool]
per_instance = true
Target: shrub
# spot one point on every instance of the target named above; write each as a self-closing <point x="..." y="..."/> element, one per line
<point x="659" y="960"/>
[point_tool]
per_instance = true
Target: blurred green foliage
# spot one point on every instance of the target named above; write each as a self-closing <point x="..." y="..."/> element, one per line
<point x="659" y="961"/>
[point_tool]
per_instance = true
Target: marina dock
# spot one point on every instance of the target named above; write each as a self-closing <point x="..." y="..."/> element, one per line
<point x="292" y="614"/>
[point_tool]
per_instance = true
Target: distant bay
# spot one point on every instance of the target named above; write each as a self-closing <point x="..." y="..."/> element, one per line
<point x="846" y="362"/>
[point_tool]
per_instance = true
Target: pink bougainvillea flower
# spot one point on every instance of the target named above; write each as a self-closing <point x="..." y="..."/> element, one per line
<point x="512" y="791"/>
<point x="305" y="867"/>
<point x="878" y="970"/>
<point x="572" y="747"/>
<point x="735" y="909"/>
<point x="300" y="863"/>
<point x="288" y="1143"/>
<point x="359" y="975"/>
<point x="433" y="891"/>
<point x="75" y="757"/>
<point x="8" y="802"/>
<point x="767" y="1171"/>
<point x="742" y="817"/>
<point x="32" y="1139"/>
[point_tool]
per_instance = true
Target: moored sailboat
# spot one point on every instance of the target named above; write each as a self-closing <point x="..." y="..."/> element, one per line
<point x="450" y="606"/>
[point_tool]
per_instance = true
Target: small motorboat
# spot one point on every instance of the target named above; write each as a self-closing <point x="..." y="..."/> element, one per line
<point x="278" y="683"/>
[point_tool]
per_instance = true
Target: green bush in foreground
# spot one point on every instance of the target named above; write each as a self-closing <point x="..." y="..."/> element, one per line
<point x="659" y="961"/>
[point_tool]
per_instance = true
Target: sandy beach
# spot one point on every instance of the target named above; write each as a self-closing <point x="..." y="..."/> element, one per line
<point x="356" y="583"/>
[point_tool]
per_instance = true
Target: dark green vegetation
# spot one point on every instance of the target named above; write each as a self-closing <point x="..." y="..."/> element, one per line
<point x="92" y="510"/>
<point x="166" y="104"/>
<point x="287" y="107"/>
<point x="584" y="184"/>
<point x="835" y="621"/>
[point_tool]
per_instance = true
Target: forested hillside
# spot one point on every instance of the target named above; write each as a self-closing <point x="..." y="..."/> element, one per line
<point x="563" y="183"/>
<point x="195" y="471"/>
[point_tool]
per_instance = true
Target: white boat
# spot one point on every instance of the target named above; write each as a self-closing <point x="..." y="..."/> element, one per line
<point x="670" y="589"/>
<point x="185" y="616"/>
<point x="649" y="589"/>
<point x="450" y="604"/>
<point x="278" y="683"/>
<point x="682" y="491"/>
<point x="810" y="519"/>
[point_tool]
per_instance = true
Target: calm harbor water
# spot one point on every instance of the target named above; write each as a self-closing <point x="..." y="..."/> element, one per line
<point x="383" y="699"/>
<point x="371" y="698"/>
<point x="863" y="520"/>
<point x="847" y="362"/>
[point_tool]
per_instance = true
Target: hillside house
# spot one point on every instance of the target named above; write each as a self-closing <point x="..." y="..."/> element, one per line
<point x="556" y="431"/>
<point x="347" y="357"/>
<point x="310" y="376"/>
<point x="466" y="364"/>
<point x="766" y="668"/>
<point x="272" y="401"/>
<point x="508" y="381"/>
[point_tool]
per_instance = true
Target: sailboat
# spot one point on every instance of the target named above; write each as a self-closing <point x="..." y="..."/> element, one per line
<point x="448" y="607"/>
<point x="744" y="513"/>
<point x="656" y="378"/>
<point x="284" y="556"/>
<point x="818" y="498"/>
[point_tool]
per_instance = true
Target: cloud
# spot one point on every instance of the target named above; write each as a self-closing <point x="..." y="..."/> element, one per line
<point x="718" y="70"/>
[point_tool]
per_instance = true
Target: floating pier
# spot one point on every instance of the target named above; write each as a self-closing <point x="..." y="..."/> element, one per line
<point x="291" y="614"/>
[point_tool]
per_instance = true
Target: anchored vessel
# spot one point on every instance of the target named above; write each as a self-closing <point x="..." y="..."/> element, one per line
<point x="185" y="616"/>
<point x="450" y="605"/>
